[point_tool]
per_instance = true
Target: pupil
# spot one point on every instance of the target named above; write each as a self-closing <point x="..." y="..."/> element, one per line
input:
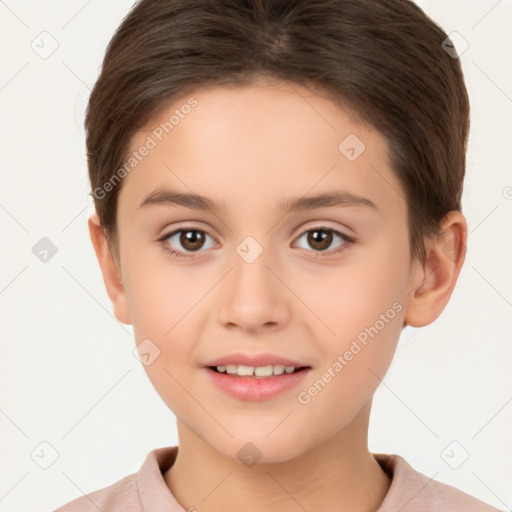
<point x="324" y="241"/>
<point x="191" y="237"/>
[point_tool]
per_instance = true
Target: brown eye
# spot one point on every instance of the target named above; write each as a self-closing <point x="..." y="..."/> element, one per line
<point x="191" y="240"/>
<point x="185" y="240"/>
<point x="321" y="238"/>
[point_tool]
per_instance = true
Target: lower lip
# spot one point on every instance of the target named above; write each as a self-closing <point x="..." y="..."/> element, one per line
<point x="250" y="388"/>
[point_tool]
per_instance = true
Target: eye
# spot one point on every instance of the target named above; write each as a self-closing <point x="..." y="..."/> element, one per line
<point x="191" y="239"/>
<point x="321" y="237"/>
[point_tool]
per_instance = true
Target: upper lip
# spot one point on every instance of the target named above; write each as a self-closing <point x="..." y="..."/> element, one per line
<point x="262" y="359"/>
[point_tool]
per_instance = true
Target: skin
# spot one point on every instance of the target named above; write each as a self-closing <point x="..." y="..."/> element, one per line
<point x="248" y="148"/>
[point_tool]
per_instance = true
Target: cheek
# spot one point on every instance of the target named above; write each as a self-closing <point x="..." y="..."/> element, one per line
<point x="361" y="311"/>
<point x="348" y="301"/>
<point x="356" y="361"/>
<point x="168" y="319"/>
<point x="164" y="303"/>
<point x="163" y="312"/>
<point x="161" y="294"/>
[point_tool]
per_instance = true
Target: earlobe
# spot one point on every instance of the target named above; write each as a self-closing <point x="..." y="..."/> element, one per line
<point x="432" y="284"/>
<point x="110" y="270"/>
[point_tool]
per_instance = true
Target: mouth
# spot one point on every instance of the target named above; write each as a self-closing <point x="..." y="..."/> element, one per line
<point x="256" y="383"/>
<point x="257" y="372"/>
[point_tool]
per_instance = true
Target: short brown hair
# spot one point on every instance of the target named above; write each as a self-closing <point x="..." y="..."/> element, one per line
<point x="383" y="59"/>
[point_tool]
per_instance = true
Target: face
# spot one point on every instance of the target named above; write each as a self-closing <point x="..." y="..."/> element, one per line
<point x="324" y="286"/>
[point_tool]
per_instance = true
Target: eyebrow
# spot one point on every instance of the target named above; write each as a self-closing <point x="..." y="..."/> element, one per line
<point x="198" y="202"/>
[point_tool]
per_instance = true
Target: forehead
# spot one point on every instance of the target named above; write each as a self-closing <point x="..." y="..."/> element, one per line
<point x="281" y="111"/>
<point x="280" y="139"/>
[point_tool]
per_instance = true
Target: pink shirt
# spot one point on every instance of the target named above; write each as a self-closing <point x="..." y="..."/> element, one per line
<point x="146" y="490"/>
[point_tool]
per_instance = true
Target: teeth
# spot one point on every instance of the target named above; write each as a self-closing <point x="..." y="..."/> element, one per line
<point x="258" y="371"/>
<point x="278" y="369"/>
<point x="245" y="370"/>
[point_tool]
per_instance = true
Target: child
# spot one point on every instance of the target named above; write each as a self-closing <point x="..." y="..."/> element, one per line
<point x="264" y="128"/>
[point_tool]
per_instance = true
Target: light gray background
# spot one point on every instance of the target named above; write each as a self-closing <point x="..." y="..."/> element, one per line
<point x="67" y="372"/>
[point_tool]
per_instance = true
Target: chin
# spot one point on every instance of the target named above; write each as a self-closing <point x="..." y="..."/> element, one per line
<point x="258" y="449"/>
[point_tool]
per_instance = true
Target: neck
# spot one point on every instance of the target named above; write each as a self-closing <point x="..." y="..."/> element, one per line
<point x="337" y="474"/>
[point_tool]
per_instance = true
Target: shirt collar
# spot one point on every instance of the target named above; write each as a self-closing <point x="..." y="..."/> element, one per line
<point x="409" y="490"/>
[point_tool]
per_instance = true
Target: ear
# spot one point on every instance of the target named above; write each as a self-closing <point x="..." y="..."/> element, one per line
<point x="432" y="284"/>
<point x="110" y="270"/>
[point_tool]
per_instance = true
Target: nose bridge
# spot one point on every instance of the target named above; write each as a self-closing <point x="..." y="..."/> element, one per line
<point x="251" y="263"/>
<point x="256" y="253"/>
<point x="254" y="296"/>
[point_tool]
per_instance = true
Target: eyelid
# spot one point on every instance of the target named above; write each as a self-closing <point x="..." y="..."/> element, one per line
<point x="184" y="227"/>
<point x="310" y="226"/>
<point x="318" y="225"/>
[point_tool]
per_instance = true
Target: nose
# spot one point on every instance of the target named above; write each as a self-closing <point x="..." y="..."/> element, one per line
<point x="253" y="295"/>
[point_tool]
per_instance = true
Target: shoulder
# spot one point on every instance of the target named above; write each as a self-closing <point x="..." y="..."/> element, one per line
<point x="411" y="491"/>
<point x="137" y="492"/>
<point x="121" y="496"/>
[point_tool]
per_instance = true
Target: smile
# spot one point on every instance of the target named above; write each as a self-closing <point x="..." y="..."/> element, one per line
<point x="256" y="383"/>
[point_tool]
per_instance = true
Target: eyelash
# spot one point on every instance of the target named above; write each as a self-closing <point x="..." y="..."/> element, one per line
<point x="180" y="254"/>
